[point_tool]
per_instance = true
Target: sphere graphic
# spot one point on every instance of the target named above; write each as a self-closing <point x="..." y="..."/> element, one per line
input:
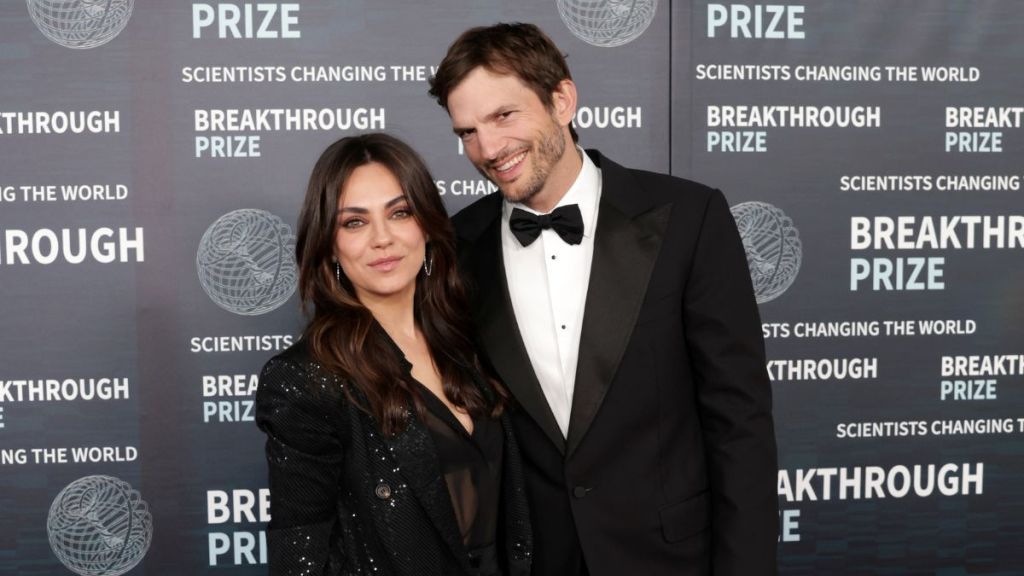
<point x="80" y="24"/>
<point x="607" y="23"/>
<point x="773" y="248"/>
<point x="99" y="526"/>
<point x="245" y="262"/>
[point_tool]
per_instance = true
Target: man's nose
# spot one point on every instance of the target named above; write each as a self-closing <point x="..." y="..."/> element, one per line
<point x="490" y="144"/>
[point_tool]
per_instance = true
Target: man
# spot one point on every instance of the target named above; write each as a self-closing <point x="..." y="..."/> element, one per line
<point x="617" y="307"/>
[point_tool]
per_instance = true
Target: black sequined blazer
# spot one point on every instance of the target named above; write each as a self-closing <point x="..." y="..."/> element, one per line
<point x="345" y="500"/>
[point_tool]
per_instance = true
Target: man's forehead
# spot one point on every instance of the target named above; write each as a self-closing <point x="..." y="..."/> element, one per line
<point x="483" y="92"/>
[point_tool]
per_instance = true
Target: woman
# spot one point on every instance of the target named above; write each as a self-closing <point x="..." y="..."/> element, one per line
<point x="389" y="451"/>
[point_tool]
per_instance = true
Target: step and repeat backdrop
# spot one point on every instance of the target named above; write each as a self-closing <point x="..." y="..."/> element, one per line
<point x="153" y="156"/>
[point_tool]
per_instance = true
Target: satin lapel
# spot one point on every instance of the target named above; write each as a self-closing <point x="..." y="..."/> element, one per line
<point x="414" y="452"/>
<point x="625" y="250"/>
<point x="499" y="334"/>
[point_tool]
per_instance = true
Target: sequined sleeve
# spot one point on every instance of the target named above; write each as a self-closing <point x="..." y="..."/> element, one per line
<point x="304" y="457"/>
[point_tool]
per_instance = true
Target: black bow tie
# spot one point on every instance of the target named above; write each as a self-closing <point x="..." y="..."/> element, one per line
<point x="566" y="221"/>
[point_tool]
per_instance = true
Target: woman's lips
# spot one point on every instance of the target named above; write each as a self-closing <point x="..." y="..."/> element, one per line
<point x="386" y="264"/>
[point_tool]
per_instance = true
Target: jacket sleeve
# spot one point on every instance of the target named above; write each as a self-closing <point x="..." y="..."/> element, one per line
<point x="304" y="457"/>
<point x="723" y="335"/>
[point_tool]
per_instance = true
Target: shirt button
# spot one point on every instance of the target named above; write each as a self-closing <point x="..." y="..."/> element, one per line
<point x="563" y="326"/>
<point x="383" y="491"/>
<point x="553" y="256"/>
<point x="580" y="491"/>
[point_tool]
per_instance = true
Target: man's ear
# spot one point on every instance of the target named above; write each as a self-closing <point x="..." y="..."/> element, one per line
<point x="563" y="101"/>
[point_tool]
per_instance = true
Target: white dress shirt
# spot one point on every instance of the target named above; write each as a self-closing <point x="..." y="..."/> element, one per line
<point x="547" y="282"/>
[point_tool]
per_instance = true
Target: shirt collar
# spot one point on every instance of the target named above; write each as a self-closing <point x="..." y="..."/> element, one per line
<point x="584" y="192"/>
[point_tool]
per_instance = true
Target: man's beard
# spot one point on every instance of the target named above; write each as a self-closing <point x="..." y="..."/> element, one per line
<point x="547" y="153"/>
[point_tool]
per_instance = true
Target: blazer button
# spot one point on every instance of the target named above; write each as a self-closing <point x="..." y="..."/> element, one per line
<point x="580" y="491"/>
<point x="383" y="491"/>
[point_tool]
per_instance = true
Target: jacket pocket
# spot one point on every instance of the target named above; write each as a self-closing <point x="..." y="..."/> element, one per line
<point x="684" y="519"/>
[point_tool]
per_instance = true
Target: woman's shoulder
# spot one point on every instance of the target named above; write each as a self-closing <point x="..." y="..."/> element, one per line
<point x="296" y="374"/>
<point x="296" y="354"/>
<point x="293" y="361"/>
<point x="299" y="403"/>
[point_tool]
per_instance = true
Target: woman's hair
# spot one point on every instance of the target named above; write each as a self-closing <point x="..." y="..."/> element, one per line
<point x="341" y="332"/>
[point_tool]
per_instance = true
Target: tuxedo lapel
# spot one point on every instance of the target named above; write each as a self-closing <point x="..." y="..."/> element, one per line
<point x="626" y="246"/>
<point x="500" y="336"/>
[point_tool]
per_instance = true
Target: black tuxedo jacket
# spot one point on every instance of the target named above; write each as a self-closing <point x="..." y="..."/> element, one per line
<point x="669" y="466"/>
<point x="345" y="500"/>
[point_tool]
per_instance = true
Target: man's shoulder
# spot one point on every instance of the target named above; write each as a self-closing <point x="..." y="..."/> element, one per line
<point x="471" y="221"/>
<point x="671" y="186"/>
<point x="653" y="188"/>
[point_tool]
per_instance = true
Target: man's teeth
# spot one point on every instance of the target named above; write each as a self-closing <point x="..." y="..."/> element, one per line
<point x="512" y="162"/>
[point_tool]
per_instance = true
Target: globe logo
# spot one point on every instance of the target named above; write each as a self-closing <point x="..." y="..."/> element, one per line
<point x="607" y="23"/>
<point x="245" y="262"/>
<point x="99" y="526"/>
<point x="80" y="24"/>
<point x="772" y="245"/>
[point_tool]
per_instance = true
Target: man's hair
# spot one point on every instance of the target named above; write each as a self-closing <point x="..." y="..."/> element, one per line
<point x="517" y="49"/>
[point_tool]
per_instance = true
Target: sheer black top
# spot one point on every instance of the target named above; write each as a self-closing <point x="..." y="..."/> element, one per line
<point x="471" y="466"/>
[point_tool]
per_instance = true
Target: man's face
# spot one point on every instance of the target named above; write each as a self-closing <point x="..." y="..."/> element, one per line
<point x="512" y="138"/>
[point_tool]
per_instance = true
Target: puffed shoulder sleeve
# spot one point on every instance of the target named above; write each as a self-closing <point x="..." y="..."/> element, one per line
<point x="304" y="457"/>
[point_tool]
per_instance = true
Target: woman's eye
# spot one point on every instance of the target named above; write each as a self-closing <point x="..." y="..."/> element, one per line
<point x="353" y="223"/>
<point x="401" y="213"/>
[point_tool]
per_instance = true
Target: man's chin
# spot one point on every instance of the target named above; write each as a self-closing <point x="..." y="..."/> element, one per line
<point x="516" y="195"/>
<point x="512" y="191"/>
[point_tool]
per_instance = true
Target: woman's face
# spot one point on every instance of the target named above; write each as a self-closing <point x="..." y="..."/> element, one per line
<point x="378" y="242"/>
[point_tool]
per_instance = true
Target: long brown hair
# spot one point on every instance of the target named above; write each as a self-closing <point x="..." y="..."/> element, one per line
<point x="342" y="333"/>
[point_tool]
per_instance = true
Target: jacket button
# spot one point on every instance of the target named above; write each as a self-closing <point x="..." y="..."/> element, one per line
<point x="383" y="491"/>
<point x="580" y="491"/>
